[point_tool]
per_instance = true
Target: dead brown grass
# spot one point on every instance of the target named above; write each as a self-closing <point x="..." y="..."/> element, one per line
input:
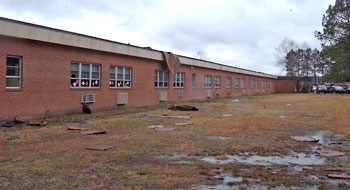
<point x="54" y="158"/>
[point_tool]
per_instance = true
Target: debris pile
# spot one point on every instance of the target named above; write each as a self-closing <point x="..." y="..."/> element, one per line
<point x="183" y="108"/>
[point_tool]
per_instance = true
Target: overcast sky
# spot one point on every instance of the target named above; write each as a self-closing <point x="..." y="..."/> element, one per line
<point x="234" y="32"/>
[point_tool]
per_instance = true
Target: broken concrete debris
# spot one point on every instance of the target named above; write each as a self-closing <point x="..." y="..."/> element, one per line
<point x="183" y="124"/>
<point x="333" y="143"/>
<point x="304" y="139"/>
<point x="155" y="126"/>
<point x="235" y="100"/>
<point x="289" y="104"/>
<point x="329" y="153"/>
<point x="183" y="108"/>
<point x="101" y="148"/>
<point x="338" y="176"/>
<point x="92" y="132"/>
<point x="164" y="129"/>
<point x="283" y="116"/>
<point x="227" y="115"/>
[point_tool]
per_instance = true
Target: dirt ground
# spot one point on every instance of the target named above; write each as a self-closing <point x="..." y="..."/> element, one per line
<point x="230" y="145"/>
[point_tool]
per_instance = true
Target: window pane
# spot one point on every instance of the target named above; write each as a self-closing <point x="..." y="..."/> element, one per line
<point x="85" y="67"/>
<point x="95" y="75"/>
<point x="120" y="70"/>
<point x="112" y="69"/>
<point x="95" y="68"/>
<point x="127" y="77"/>
<point x="85" y="75"/>
<point x="74" y="74"/>
<point x="74" y="67"/>
<point x="112" y="76"/>
<point x="12" y="71"/>
<point x="13" y="61"/>
<point x="13" y="82"/>
<point x="127" y="70"/>
<point x="161" y="77"/>
<point x="166" y="76"/>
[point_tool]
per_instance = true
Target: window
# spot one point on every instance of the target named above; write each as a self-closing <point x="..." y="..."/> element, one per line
<point x="193" y="80"/>
<point x="257" y="83"/>
<point x="120" y="77"/>
<point x="207" y="82"/>
<point x="13" y="72"/>
<point x="179" y="80"/>
<point x="262" y="84"/>
<point x="265" y="84"/>
<point x="228" y="82"/>
<point x="85" y="75"/>
<point x="242" y="83"/>
<point x="270" y="84"/>
<point x="253" y="84"/>
<point x="161" y="79"/>
<point x="237" y="82"/>
<point x="217" y="81"/>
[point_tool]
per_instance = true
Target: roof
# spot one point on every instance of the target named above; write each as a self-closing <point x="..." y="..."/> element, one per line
<point x="24" y="30"/>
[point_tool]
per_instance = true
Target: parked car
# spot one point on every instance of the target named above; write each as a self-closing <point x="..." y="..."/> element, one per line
<point x="314" y="89"/>
<point x="337" y="89"/>
<point x="329" y="86"/>
<point x="343" y="85"/>
<point x="322" y="88"/>
<point x="348" y="91"/>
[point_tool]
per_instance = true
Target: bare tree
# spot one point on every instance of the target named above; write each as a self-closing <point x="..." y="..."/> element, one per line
<point x="283" y="49"/>
<point x="202" y="55"/>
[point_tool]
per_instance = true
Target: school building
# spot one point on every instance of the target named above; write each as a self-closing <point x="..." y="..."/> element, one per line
<point x="49" y="71"/>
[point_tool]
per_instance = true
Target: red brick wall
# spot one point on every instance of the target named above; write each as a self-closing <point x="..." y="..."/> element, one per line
<point x="46" y="80"/>
<point x="285" y="86"/>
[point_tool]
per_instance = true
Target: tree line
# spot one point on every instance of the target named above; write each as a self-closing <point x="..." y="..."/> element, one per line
<point x="332" y="62"/>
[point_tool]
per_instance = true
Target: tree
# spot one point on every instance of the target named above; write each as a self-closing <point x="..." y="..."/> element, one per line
<point x="202" y="55"/>
<point x="294" y="66"/>
<point x="283" y="49"/>
<point x="335" y="40"/>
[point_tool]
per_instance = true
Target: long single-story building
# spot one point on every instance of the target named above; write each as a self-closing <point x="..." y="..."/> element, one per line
<point x="49" y="71"/>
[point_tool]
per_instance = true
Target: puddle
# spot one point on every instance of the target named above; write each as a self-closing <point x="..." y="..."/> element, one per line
<point x="295" y="158"/>
<point x="218" y="138"/>
<point x="325" y="137"/>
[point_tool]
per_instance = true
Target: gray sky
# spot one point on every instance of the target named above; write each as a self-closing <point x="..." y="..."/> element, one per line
<point x="238" y="33"/>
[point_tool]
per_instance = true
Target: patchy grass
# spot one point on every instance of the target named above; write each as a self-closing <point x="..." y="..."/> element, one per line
<point x="54" y="158"/>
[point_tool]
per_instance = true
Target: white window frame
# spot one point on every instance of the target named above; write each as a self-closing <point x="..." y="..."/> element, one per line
<point x="208" y="81"/>
<point x="237" y="83"/>
<point x="217" y="81"/>
<point x="242" y="83"/>
<point x="253" y="83"/>
<point x="179" y="80"/>
<point x="257" y="84"/>
<point x="90" y="75"/>
<point x="194" y="80"/>
<point x="19" y="72"/>
<point x="124" y="80"/>
<point x="164" y="80"/>
<point x="228" y="82"/>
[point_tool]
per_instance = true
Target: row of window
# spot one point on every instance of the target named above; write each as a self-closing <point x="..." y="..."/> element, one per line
<point x="87" y="75"/>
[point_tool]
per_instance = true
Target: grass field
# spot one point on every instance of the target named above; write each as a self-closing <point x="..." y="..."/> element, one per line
<point x="251" y="149"/>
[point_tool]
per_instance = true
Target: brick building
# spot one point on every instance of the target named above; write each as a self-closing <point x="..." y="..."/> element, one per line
<point x="45" y="70"/>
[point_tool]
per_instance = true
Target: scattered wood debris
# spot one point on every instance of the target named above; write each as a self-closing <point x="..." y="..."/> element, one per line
<point x="304" y="139"/>
<point x="183" y="108"/>
<point x="183" y="124"/>
<point x="164" y="129"/>
<point x="329" y="153"/>
<point x="37" y="123"/>
<point x="338" y="176"/>
<point x="92" y="132"/>
<point x="155" y="126"/>
<point x="77" y="128"/>
<point x="333" y="143"/>
<point x="86" y="109"/>
<point x="313" y="115"/>
<point x="13" y="138"/>
<point x="77" y="121"/>
<point x="170" y="116"/>
<point x="101" y="148"/>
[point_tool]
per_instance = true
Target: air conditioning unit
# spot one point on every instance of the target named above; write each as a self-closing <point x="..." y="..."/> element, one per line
<point x="218" y="92"/>
<point x="179" y="93"/>
<point x="87" y="98"/>
<point x="163" y="96"/>
<point x="122" y="98"/>
<point x="209" y="94"/>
